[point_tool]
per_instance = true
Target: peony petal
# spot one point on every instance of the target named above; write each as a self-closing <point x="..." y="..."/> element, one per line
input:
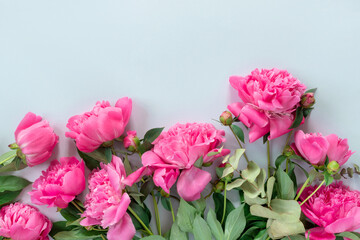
<point x="115" y="213"/>
<point x="348" y="224"/>
<point x="123" y="230"/>
<point x="150" y="158"/>
<point x="192" y="182"/>
<point x="125" y="104"/>
<point x="319" y="233"/>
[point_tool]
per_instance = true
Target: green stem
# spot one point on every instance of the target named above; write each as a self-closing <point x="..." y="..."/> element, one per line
<point x="224" y="211"/>
<point x="8" y="158"/>
<point x="268" y="238"/>
<point x="287" y="165"/>
<point x="157" y="216"/>
<point x="302" y="188"/>
<point x="140" y="221"/>
<point x="77" y="206"/>
<point x="172" y="210"/>
<point x="237" y="139"/>
<point x="313" y="193"/>
<point x="102" y="236"/>
<point x="268" y="156"/>
<point x="288" y="139"/>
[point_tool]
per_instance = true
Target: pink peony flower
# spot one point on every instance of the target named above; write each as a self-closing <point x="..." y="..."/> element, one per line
<point x="104" y="123"/>
<point x="106" y="203"/>
<point x="269" y="99"/>
<point x="178" y="149"/>
<point x="334" y="209"/>
<point x="131" y="141"/>
<point x="35" y="138"/>
<point x="314" y="147"/>
<point x="23" y="222"/>
<point x="60" y="183"/>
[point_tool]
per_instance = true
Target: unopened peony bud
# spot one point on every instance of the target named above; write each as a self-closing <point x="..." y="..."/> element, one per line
<point x="307" y="100"/>
<point x="226" y="118"/>
<point x="333" y="167"/>
<point x="229" y="177"/>
<point x="131" y="141"/>
<point x="13" y="146"/>
<point x="288" y="151"/>
<point x="219" y="187"/>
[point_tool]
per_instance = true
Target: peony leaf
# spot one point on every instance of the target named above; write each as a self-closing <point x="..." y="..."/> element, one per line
<point x="285" y="185"/>
<point x="200" y="205"/>
<point x="215" y="225"/>
<point x="12" y="183"/>
<point x="351" y="235"/>
<point x="77" y="233"/>
<point x="144" y="214"/>
<point x="235" y="223"/>
<point x="219" y="206"/>
<point x="176" y="233"/>
<point x="90" y="162"/>
<point x="294" y="237"/>
<point x="151" y="135"/>
<point x="262" y="235"/>
<point x="8" y="196"/>
<point x="185" y="216"/>
<point x="200" y="229"/>
<point x="298" y="118"/>
<point x="153" y="237"/>
<point x="279" y="160"/>
<point x="239" y="132"/>
<point x="7" y="157"/>
<point x="60" y="227"/>
<point x="312" y="90"/>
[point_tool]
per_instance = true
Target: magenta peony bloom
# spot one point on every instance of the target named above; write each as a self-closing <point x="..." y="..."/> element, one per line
<point x="106" y="203"/>
<point x="314" y="147"/>
<point x="23" y="222"/>
<point x="35" y="138"/>
<point x="269" y="99"/>
<point x="104" y="123"/>
<point x="334" y="209"/>
<point x="178" y="149"/>
<point x="60" y="183"/>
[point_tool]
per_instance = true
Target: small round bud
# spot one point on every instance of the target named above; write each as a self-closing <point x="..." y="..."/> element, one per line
<point x="13" y="146"/>
<point x="226" y="118"/>
<point x="333" y="167"/>
<point x="288" y="151"/>
<point x="131" y="141"/>
<point x="164" y="194"/>
<point x="229" y="177"/>
<point x="219" y="187"/>
<point x="208" y="164"/>
<point x="307" y="100"/>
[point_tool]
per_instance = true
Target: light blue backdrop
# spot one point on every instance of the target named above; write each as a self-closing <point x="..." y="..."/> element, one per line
<point x="57" y="58"/>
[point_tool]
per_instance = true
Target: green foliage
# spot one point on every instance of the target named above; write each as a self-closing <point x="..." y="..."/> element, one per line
<point x="285" y="186"/>
<point x="235" y="223"/>
<point x="239" y="132"/>
<point x="143" y="213"/>
<point x="219" y="206"/>
<point x="201" y="229"/>
<point x="298" y="118"/>
<point x="11" y="187"/>
<point x="214" y="225"/>
<point x="90" y="162"/>
<point x="77" y="233"/>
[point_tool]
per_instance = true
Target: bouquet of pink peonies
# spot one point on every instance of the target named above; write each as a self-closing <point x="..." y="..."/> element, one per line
<point x="174" y="171"/>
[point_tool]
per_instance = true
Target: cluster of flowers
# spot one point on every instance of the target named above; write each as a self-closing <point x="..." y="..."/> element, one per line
<point x="273" y="103"/>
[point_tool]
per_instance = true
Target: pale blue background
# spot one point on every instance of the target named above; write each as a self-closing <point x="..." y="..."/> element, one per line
<point x="57" y="58"/>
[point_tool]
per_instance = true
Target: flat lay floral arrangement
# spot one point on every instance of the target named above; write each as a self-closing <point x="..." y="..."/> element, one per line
<point x="272" y="203"/>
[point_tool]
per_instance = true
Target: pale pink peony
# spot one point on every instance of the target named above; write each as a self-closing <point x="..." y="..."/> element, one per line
<point x="106" y="203"/>
<point x="178" y="149"/>
<point x="36" y="139"/>
<point x="334" y="209"/>
<point x="314" y="147"/>
<point x="104" y="123"/>
<point x="269" y="99"/>
<point x="23" y="222"/>
<point x="60" y="183"/>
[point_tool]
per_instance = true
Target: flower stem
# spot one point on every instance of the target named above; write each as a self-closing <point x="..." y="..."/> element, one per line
<point x="224" y="211"/>
<point x="288" y="139"/>
<point x="157" y="216"/>
<point x="8" y="158"/>
<point x="102" y="236"/>
<point x="302" y="188"/>
<point x="77" y="206"/>
<point x="140" y="221"/>
<point x="268" y="156"/>
<point x="313" y="193"/>
<point x="237" y="139"/>
<point x="172" y="210"/>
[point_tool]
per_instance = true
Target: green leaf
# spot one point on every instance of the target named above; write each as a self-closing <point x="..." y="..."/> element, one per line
<point x="298" y="118"/>
<point x="328" y="178"/>
<point x="152" y="134"/>
<point x="165" y="202"/>
<point x="108" y="155"/>
<point x="219" y="206"/>
<point x="12" y="183"/>
<point x="200" y="229"/>
<point x="199" y="205"/>
<point x="143" y="213"/>
<point x="97" y="155"/>
<point x="214" y="225"/>
<point x="199" y="162"/>
<point x="251" y="172"/>
<point x="13" y="166"/>
<point x="262" y="235"/>
<point x="235" y="223"/>
<point x="90" y="162"/>
<point x="307" y="111"/>
<point x="234" y="162"/>
<point x="304" y="171"/>
<point x="312" y="90"/>
<point x="71" y="213"/>
<point x="269" y="189"/>
<point x="77" y="233"/>
<point x="185" y="216"/>
<point x="176" y="233"/>
<point x="7" y="157"/>
<point x="60" y="227"/>
<point x="146" y="188"/>
<point x="265" y="137"/>
<point x="239" y="132"/>
<point x="236" y="183"/>
<point x="294" y="237"/>
<point x="8" y="196"/>
<point x="249" y="233"/>
<point x="285" y="185"/>
<point x="153" y="237"/>
<point x="279" y="160"/>
<point x="351" y="235"/>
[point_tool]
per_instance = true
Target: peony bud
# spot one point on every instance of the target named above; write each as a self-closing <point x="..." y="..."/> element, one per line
<point x="288" y="151"/>
<point x="219" y="187"/>
<point x="226" y="118"/>
<point x="333" y="167"/>
<point x="307" y="100"/>
<point x="13" y="146"/>
<point x="229" y="177"/>
<point x="131" y="141"/>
